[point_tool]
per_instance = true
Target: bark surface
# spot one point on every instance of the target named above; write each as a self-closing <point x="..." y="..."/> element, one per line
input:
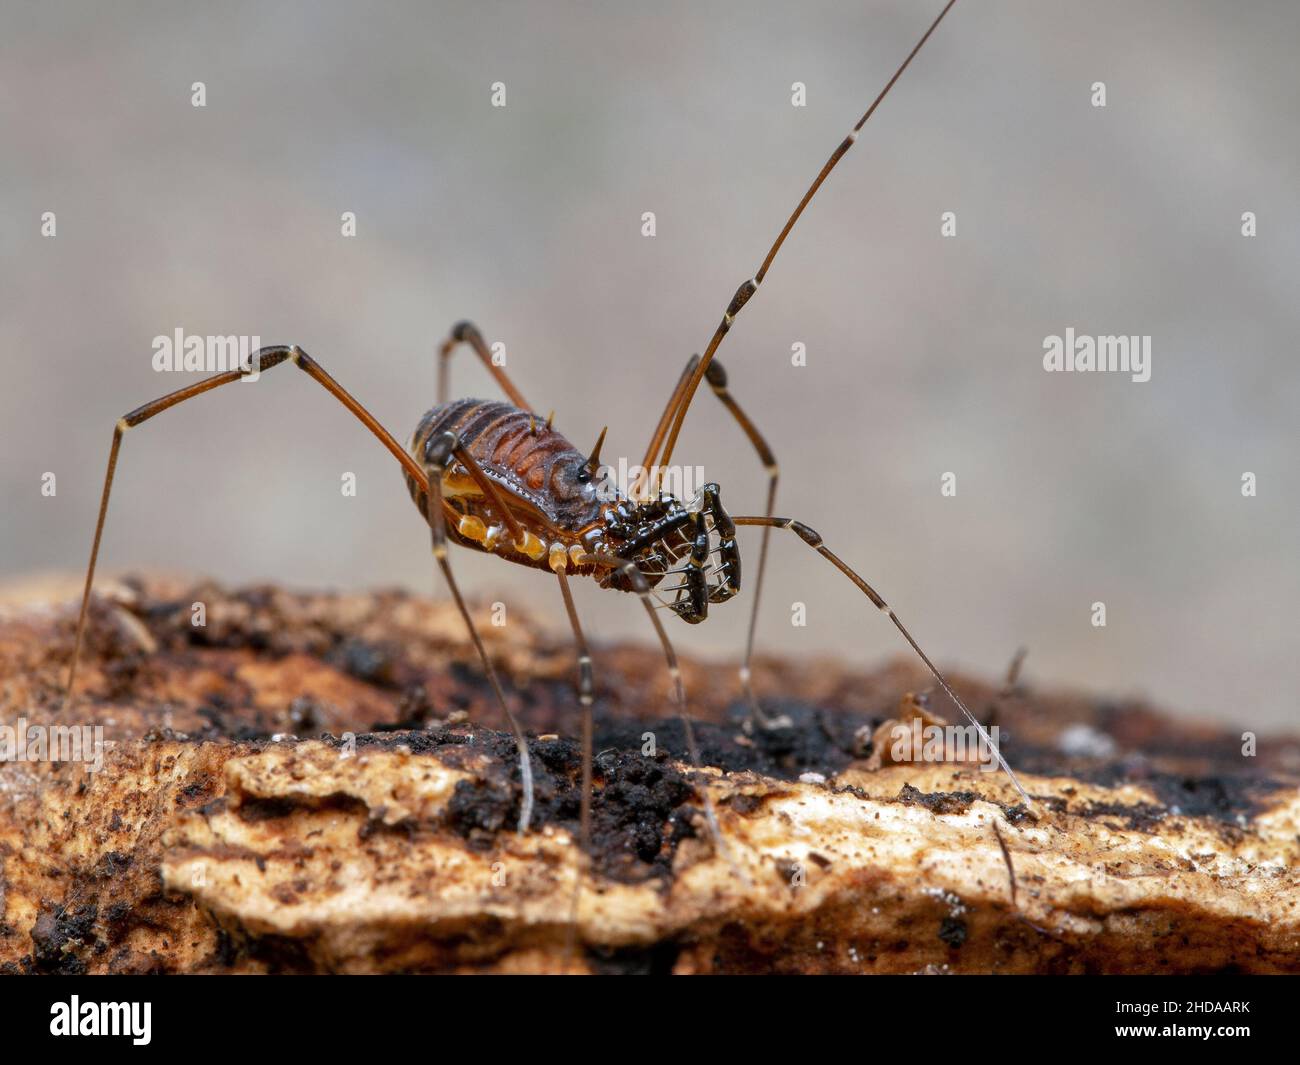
<point x="313" y="782"/>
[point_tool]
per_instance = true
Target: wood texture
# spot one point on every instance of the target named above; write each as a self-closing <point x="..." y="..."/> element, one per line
<point x="314" y="783"/>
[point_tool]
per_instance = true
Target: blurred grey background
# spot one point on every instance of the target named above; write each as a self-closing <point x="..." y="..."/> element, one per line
<point x="924" y="353"/>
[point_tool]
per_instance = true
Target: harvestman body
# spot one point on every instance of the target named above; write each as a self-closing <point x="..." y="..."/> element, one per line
<point x="493" y="477"/>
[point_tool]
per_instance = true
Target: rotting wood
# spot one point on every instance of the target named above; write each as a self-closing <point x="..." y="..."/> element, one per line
<point x="206" y="845"/>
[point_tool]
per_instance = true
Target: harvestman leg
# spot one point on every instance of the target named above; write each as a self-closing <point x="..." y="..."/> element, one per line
<point x="467" y="333"/>
<point x="267" y="358"/>
<point x="656" y="441"/>
<point x="664" y="441"/>
<point x="747" y="288"/>
<point x="586" y="696"/>
<point x="717" y="378"/>
<point x="813" y="539"/>
<point x="439" y="453"/>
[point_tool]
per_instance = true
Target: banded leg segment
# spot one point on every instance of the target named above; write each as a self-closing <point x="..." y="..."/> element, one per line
<point x="586" y="696"/>
<point x="467" y="333"/>
<point x="813" y="539"/>
<point x="267" y="358"/>
<point x="439" y="454"/>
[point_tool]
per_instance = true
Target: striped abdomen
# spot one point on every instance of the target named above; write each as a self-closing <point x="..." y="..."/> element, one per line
<point x="535" y="467"/>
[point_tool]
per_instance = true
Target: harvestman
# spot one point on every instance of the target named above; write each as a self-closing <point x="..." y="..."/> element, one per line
<point x="494" y="477"/>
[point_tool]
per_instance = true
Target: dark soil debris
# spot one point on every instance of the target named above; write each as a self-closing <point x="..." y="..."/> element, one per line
<point x="641" y="808"/>
<point x="57" y="936"/>
<point x="937" y="802"/>
<point x="952" y="930"/>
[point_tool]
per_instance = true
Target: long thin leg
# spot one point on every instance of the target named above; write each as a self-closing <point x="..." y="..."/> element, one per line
<point x="467" y="333"/>
<point x="717" y="378"/>
<point x="652" y="449"/>
<point x="748" y="288"/>
<point x="642" y="588"/>
<point x="436" y="463"/>
<point x="267" y="358"/>
<point x="813" y="539"/>
<point x="489" y="488"/>
<point x="586" y="696"/>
